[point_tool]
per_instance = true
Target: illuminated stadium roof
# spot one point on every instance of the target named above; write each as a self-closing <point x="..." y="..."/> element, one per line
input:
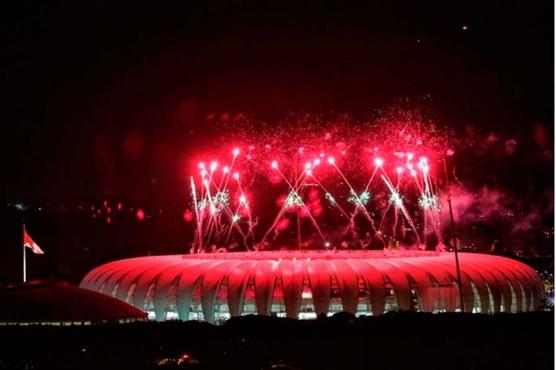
<point x="213" y="287"/>
<point x="58" y="303"/>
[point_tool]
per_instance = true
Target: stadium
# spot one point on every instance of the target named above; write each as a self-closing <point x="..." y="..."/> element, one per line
<point x="304" y="284"/>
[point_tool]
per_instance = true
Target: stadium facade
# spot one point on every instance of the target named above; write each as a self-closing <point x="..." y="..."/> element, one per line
<point x="298" y="284"/>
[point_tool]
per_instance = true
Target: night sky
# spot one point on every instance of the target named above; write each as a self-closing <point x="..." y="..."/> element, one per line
<point x="107" y="101"/>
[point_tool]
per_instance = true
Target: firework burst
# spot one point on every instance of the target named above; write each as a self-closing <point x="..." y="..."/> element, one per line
<point x="311" y="183"/>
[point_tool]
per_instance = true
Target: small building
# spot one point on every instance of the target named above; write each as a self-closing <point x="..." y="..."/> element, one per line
<point x="61" y="304"/>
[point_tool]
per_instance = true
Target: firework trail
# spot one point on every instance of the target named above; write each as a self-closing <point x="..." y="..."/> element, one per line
<point x="319" y="177"/>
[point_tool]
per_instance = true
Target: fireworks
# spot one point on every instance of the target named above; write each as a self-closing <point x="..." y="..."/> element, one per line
<point x="396" y="199"/>
<point x="325" y="185"/>
<point x="360" y="200"/>
<point x="428" y="201"/>
<point x="293" y="200"/>
<point x="221" y="199"/>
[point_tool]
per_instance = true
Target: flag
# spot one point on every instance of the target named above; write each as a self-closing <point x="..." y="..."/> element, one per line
<point x="29" y="243"/>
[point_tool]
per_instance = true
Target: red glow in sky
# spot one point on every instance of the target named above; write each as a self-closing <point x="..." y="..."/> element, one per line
<point x="140" y="214"/>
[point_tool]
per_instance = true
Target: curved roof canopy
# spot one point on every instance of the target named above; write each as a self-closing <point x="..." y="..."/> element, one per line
<point x="59" y="303"/>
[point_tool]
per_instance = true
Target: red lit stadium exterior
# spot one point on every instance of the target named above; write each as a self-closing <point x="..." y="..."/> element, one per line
<point x="296" y="284"/>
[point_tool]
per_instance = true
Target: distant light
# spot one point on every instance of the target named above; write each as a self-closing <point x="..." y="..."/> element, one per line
<point x="331" y="160"/>
<point x="213" y="166"/>
<point x="236" y="175"/>
<point x="140" y="214"/>
<point x="399" y="170"/>
<point x="236" y="152"/>
<point x="327" y="244"/>
<point x="274" y="164"/>
<point x="306" y="295"/>
<point x="226" y="169"/>
<point x="464" y="27"/>
<point x="187" y="216"/>
<point x="316" y="162"/>
<point x="307" y="165"/>
<point x="379" y="162"/>
<point x="201" y="165"/>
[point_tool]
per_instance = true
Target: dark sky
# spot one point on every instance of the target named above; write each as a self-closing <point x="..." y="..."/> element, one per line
<point x="106" y="101"/>
<point x="94" y="90"/>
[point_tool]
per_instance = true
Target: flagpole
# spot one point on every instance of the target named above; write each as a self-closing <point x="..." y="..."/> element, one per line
<point x="24" y="262"/>
<point x="454" y="239"/>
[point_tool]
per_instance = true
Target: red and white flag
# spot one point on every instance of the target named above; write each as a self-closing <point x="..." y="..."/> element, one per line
<point x="29" y="243"/>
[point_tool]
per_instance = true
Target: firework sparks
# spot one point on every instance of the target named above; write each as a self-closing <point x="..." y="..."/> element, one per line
<point x="221" y="199"/>
<point x="330" y="198"/>
<point x="336" y="164"/>
<point x="360" y="200"/>
<point x="428" y="201"/>
<point x="396" y="199"/>
<point x="293" y="200"/>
